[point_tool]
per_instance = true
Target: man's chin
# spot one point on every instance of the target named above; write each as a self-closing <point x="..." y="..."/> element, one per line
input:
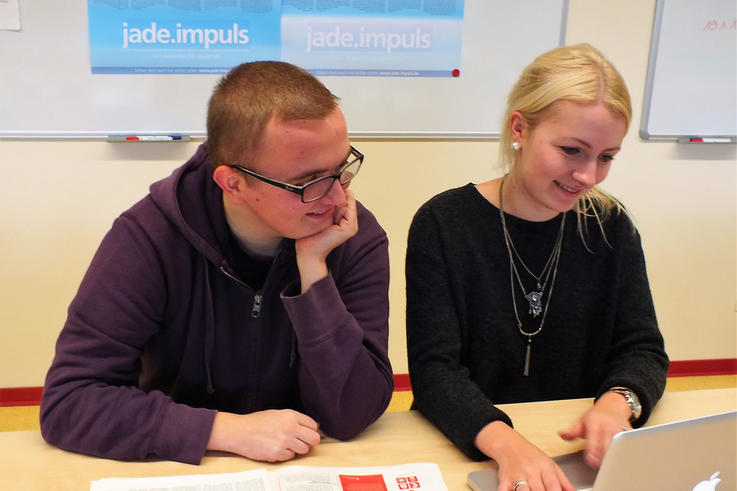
<point x="309" y="231"/>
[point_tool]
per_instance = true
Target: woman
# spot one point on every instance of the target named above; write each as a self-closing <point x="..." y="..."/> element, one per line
<point x="533" y="286"/>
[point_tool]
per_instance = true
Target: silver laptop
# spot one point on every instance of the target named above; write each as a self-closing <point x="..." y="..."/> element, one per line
<point x="692" y="455"/>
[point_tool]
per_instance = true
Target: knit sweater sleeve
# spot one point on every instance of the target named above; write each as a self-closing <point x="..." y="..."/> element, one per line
<point x="637" y="358"/>
<point x="91" y="401"/>
<point x="442" y="388"/>
<point x="342" y="329"/>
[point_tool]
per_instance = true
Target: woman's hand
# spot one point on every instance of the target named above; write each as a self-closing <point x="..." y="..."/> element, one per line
<point x="607" y="417"/>
<point x="520" y="460"/>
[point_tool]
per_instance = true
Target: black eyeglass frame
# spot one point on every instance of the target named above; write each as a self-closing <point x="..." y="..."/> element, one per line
<point x="300" y="190"/>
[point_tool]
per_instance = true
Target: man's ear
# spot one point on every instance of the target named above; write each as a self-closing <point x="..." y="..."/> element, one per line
<point x="230" y="181"/>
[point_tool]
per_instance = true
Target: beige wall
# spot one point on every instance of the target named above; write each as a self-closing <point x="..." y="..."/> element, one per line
<point x="59" y="197"/>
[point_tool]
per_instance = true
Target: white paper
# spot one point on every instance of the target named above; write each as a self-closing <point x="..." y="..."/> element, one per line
<point x="242" y="481"/>
<point x="422" y="476"/>
<point x="9" y="15"/>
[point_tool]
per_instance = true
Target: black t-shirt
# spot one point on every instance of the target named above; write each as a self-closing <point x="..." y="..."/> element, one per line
<point x="253" y="271"/>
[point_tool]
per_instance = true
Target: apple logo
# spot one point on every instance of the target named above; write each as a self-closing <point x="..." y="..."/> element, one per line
<point x="709" y="485"/>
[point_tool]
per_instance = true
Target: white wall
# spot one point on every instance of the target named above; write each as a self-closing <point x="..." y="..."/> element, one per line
<point x="59" y="198"/>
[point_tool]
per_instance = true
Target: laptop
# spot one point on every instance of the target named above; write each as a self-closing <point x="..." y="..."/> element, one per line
<point x="697" y="454"/>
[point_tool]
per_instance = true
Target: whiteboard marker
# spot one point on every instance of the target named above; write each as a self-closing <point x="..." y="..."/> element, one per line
<point x="710" y="140"/>
<point x="156" y="138"/>
<point x="148" y="138"/>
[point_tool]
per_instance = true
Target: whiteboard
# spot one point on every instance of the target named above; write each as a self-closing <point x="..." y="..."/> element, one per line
<point x="692" y="77"/>
<point x="48" y="90"/>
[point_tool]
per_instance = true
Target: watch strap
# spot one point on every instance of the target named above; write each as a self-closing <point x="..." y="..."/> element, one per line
<point x="632" y="401"/>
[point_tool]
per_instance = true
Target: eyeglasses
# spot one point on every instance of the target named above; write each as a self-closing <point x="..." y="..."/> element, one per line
<point x="317" y="188"/>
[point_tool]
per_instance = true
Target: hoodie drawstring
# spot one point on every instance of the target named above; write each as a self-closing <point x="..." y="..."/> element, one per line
<point x="209" y="329"/>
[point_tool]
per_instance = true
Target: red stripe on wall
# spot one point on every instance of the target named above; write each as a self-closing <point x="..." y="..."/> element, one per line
<point x="31" y="396"/>
<point x="691" y="368"/>
<point x="401" y="382"/>
<point x="20" y="396"/>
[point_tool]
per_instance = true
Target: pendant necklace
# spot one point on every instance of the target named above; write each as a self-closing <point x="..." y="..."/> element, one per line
<point x="534" y="297"/>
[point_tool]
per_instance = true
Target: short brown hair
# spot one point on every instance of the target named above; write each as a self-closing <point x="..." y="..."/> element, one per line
<point x="250" y="95"/>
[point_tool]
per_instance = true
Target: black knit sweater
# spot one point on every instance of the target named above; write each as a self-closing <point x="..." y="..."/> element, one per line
<point x="465" y="350"/>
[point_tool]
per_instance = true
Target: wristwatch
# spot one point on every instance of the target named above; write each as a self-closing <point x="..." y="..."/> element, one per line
<point x="632" y="401"/>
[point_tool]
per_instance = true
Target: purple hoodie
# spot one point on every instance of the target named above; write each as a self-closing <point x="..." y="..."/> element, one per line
<point x="162" y="332"/>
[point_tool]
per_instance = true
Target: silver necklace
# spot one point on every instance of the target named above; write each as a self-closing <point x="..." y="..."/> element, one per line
<point x="534" y="298"/>
<point x="529" y="271"/>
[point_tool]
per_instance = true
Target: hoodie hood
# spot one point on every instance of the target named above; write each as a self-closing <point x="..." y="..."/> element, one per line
<point x="180" y="197"/>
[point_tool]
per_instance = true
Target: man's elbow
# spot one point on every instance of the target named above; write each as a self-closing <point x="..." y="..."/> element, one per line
<point x="350" y="424"/>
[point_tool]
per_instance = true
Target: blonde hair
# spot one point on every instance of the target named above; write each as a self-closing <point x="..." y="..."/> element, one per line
<point x="577" y="73"/>
<point x="246" y="99"/>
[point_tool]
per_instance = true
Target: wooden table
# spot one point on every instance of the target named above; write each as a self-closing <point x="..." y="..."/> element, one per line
<point x="28" y="463"/>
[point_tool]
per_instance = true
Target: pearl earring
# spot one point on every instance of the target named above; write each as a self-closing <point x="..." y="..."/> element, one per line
<point x="515" y="146"/>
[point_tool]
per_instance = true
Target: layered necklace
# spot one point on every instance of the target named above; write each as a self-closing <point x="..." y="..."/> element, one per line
<point x="546" y="279"/>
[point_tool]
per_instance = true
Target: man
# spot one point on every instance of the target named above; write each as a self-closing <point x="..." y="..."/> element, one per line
<point x="239" y="306"/>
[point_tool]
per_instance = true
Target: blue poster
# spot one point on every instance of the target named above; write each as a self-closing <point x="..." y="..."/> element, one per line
<point x="365" y="38"/>
<point x="403" y="38"/>
<point x="181" y="36"/>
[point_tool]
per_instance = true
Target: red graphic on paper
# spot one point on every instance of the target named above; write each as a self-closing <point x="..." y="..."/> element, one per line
<point x="362" y="483"/>
<point x="409" y="482"/>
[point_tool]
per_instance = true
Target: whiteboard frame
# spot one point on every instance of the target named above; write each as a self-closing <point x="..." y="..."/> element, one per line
<point x="648" y="101"/>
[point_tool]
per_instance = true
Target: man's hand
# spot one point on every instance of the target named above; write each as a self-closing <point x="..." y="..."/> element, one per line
<point x="271" y="436"/>
<point x="313" y="250"/>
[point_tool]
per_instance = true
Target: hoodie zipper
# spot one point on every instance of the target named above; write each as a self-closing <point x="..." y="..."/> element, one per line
<point x="257" y="297"/>
<point x="256" y="308"/>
